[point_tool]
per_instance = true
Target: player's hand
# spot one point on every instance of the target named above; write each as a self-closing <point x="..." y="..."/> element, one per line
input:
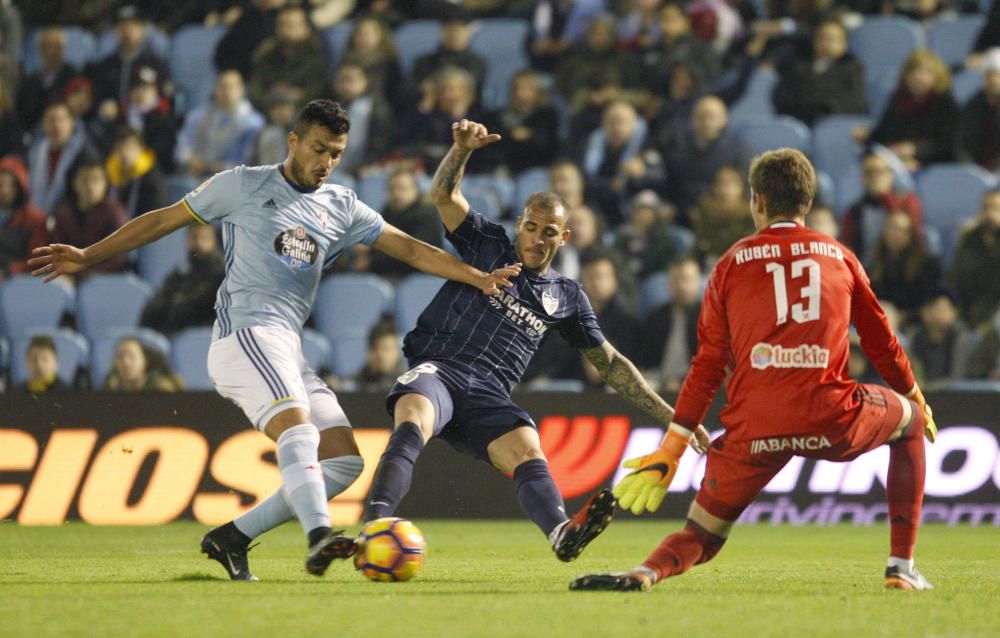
<point x="500" y="278"/>
<point x="55" y="260"/>
<point x="701" y="440"/>
<point x="644" y="488"/>
<point x="930" y="427"/>
<point x="472" y="135"/>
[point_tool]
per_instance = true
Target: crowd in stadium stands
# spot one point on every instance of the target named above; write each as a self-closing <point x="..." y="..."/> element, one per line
<point x="642" y="114"/>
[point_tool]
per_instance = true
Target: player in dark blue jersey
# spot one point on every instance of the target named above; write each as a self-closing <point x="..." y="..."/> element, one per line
<point x="468" y="352"/>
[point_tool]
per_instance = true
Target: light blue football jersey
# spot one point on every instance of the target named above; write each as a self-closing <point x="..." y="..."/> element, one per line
<point x="277" y="239"/>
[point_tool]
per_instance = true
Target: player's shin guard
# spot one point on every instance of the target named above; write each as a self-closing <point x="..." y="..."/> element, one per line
<point x="538" y="495"/>
<point x="338" y="475"/>
<point x="301" y="476"/>
<point x="681" y="551"/>
<point x="395" y="471"/>
<point x="905" y="487"/>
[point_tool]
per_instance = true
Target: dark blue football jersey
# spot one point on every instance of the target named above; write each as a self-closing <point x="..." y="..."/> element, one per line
<point x="497" y="336"/>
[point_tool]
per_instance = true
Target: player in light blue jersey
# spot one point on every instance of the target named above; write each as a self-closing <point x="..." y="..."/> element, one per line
<point x="281" y="227"/>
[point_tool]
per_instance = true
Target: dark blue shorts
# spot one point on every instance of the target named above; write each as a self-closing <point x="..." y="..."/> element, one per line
<point x="470" y="412"/>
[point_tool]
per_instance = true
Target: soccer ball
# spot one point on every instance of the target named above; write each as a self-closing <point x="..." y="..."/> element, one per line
<point x="390" y="549"/>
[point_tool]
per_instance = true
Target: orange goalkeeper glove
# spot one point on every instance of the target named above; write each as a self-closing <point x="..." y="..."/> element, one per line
<point x="644" y="488"/>
<point x="930" y="428"/>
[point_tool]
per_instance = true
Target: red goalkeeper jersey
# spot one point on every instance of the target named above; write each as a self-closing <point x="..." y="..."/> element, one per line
<point x="777" y="311"/>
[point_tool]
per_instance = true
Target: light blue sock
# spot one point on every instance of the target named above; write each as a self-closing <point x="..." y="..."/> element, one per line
<point x="301" y="476"/>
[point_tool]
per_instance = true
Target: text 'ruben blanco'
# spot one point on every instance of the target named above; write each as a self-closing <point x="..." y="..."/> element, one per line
<point x="773" y="251"/>
<point x="518" y="312"/>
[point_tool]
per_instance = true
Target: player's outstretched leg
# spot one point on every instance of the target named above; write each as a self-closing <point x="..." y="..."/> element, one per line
<point x="394" y="473"/>
<point x="593" y="518"/>
<point x="905" y="494"/>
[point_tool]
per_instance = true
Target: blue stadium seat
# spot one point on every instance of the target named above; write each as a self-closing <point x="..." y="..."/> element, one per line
<point x="532" y="180"/>
<point x="501" y="186"/>
<point x="756" y="103"/>
<point x="415" y="38"/>
<point x="336" y="38"/>
<point x="342" y="179"/>
<point x="850" y="188"/>
<point x="880" y="83"/>
<point x="834" y="150"/>
<point x="373" y="189"/>
<point x="780" y="132"/>
<point x="412" y="295"/>
<point x="189" y="357"/>
<point x="26" y="303"/>
<point x="351" y="301"/>
<point x="484" y="200"/>
<point x="162" y="257"/>
<point x="953" y="38"/>
<point x="158" y="41"/>
<point x="191" y="52"/>
<point x="556" y="385"/>
<point x="107" y="302"/>
<point x="71" y="348"/>
<point x="500" y="41"/>
<point x="826" y="191"/>
<point x="951" y="195"/>
<point x="966" y="84"/>
<point x="654" y="291"/>
<point x="885" y="40"/>
<point x="316" y="349"/>
<point x="349" y="353"/>
<point x="102" y="349"/>
<point x="81" y="48"/>
<point x="4" y="356"/>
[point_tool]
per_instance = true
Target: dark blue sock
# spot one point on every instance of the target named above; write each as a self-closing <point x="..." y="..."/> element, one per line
<point x="538" y="495"/>
<point x="394" y="472"/>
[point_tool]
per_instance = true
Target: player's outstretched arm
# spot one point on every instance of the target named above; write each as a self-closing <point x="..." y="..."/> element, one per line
<point x="622" y="375"/>
<point x="61" y="259"/>
<point x="435" y="261"/>
<point x="446" y="191"/>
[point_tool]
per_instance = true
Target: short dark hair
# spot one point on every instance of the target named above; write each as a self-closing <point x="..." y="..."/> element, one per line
<point x="787" y="181"/>
<point x="325" y="113"/>
<point x="381" y="330"/>
<point x="43" y="341"/>
<point x="547" y="201"/>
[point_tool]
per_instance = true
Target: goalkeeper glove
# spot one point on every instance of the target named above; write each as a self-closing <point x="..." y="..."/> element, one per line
<point x="930" y="428"/>
<point x="644" y="488"/>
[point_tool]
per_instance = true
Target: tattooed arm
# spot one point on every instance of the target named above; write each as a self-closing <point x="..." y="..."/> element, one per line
<point x="622" y="375"/>
<point x="446" y="189"/>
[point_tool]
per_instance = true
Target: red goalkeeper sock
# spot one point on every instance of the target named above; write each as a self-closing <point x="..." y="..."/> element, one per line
<point x="905" y="487"/>
<point x="679" y="552"/>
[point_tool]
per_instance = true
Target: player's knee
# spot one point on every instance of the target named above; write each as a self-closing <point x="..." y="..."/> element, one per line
<point x="416" y="409"/>
<point x="284" y="420"/>
<point x="711" y="544"/>
<point x="507" y="459"/>
<point x="336" y="442"/>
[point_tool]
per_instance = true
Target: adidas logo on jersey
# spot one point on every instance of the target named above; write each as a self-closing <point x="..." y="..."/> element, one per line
<point x="270" y="204"/>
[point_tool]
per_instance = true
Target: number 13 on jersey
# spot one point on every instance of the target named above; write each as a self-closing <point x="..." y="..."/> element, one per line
<point x="808" y="308"/>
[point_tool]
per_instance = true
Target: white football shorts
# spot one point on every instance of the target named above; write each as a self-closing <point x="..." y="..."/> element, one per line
<point x="262" y="370"/>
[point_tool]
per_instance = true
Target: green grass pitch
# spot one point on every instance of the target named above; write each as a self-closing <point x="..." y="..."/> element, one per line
<point x="494" y="579"/>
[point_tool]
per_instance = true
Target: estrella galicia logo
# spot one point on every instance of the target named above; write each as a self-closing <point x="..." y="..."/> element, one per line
<point x="296" y="248"/>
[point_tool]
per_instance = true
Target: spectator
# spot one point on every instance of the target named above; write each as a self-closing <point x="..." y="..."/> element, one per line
<point x="979" y="124"/>
<point x="43" y="367"/>
<point x="596" y="56"/>
<point x="649" y="240"/>
<point x="555" y="26"/>
<point x="408" y="210"/>
<point x="79" y="97"/>
<point x="426" y="134"/>
<point x="53" y="154"/>
<point x="940" y="345"/>
<point x="294" y="57"/>
<point x="528" y="126"/>
<point x="148" y="112"/>
<point x="47" y="84"/>
<point x="670" y="332"/>
<point x="371" y="118"/>
<point x="89" y="213"/>
<point x="829" y="81"/>
<point x="271" y="145"/>
<point x="187" y="296"/>
<point x="822" y="219"/>
<point x="11" y="134"/>
<point x="453" y="50"/>
<point x="677" y="45"/>
<point x="901" y="269"/>
<point x="984" y="360"/>
<point x="601" y="283"/>
<point x="112" y="75"/>
<point x="567" y="180"/>
<point x="138" y="368"/>
<point x="692" y="163"/>
<point x="722" y="216"/>
<point x="673" y="106"/>
<point x="611" y="149"/>
<point x="22" y="226"/>
<point x="977" y="262"/>
<point x="219" y="135"/>
<point x="638" y="29"/>
<point x="863" y="221"/>
<point x="384" y="362"/>
<point x="920" y="122"/>
<point x="255" y="25"/>
<point x="134" y="174"/>
<point x="586" y="112"/>
<point x="371" y="47"/>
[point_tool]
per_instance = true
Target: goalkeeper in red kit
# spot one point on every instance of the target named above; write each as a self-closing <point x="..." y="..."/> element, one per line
<point x="776" y="312"/>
